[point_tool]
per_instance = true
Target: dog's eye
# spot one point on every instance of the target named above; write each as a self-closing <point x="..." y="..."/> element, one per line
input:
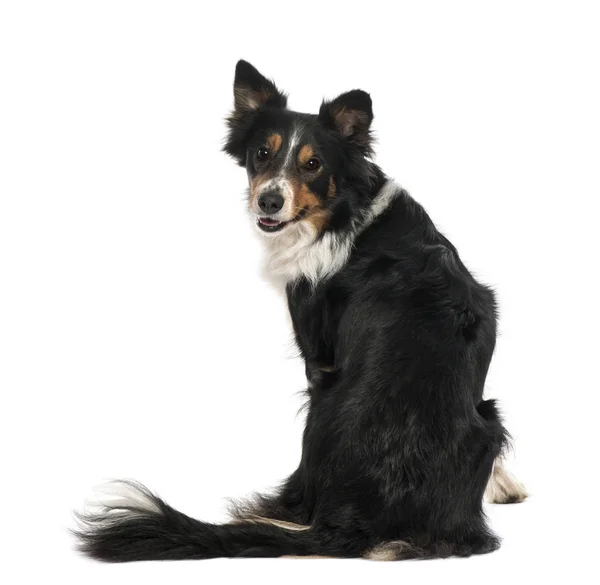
<point x="262" y="153"/>
<point x="312" y="164"/>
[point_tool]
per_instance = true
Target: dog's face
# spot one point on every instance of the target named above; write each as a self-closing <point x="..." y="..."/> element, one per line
<point x="291" y="169"/>
<point x="295" y="162"/>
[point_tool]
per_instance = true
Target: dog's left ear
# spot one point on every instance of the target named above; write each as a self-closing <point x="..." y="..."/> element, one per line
<point x="351" y="115"/>
<point x="251" y="92"/>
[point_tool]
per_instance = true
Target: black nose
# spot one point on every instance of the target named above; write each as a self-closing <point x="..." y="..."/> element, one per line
<point x="270" y="202"/>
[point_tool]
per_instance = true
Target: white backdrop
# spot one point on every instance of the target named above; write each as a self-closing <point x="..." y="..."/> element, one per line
<point x="136" y="337"/>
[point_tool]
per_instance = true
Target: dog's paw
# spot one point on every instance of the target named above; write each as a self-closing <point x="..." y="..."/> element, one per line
<point x="503" y="488"/>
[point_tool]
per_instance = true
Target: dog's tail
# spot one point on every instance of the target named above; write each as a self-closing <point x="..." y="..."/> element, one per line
<point x="135" y="525"/>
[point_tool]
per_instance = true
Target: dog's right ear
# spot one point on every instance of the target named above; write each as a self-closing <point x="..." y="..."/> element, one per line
<point x="251" y="92"/>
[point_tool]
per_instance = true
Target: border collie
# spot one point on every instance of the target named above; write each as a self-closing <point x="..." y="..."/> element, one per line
<point x="397" y="337"/>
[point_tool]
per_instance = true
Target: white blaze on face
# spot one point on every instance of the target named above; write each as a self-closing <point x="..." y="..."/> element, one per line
<point x="290" y="155"/>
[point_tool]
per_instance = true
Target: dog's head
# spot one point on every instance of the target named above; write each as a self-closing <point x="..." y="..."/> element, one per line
<point x="297" y="163"/>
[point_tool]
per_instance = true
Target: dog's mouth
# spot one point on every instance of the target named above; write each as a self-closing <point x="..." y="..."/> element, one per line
<point x="266" y="224"/>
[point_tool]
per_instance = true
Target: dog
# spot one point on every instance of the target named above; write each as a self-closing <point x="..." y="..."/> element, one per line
<point x="397" y="337"/>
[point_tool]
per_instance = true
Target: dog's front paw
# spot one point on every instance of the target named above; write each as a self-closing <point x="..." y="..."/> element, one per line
<point x="503" y="488"/>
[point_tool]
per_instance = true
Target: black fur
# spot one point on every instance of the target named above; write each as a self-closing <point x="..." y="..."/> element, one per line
<point x="399" y="443"/>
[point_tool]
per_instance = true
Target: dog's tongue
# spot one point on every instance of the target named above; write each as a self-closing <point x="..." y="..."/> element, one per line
<point x="269" y="222"/>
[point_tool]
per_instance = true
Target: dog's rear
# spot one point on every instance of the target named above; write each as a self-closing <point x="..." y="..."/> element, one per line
<point x="129" y="523"/>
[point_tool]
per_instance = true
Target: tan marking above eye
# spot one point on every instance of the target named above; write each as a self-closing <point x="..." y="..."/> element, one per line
<point x="274" y="142"/>
<point x="305" y="154"/>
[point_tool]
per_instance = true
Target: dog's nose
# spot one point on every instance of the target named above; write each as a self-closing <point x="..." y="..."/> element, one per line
<point x="270" y="202"/>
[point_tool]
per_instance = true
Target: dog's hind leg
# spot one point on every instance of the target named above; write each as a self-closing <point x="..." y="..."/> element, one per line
<point x="502" y="487"/>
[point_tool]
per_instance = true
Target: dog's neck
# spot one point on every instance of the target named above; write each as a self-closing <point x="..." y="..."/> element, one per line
<point x="302" y="252"/>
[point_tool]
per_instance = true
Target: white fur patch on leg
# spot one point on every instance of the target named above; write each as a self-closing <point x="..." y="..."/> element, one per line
<point x="502" y="487"/>
<point x="394" y="550"/>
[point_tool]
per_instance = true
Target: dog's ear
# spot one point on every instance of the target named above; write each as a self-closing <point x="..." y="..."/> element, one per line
<point x="351" y="115"/>
<point x="251" y="92"/>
